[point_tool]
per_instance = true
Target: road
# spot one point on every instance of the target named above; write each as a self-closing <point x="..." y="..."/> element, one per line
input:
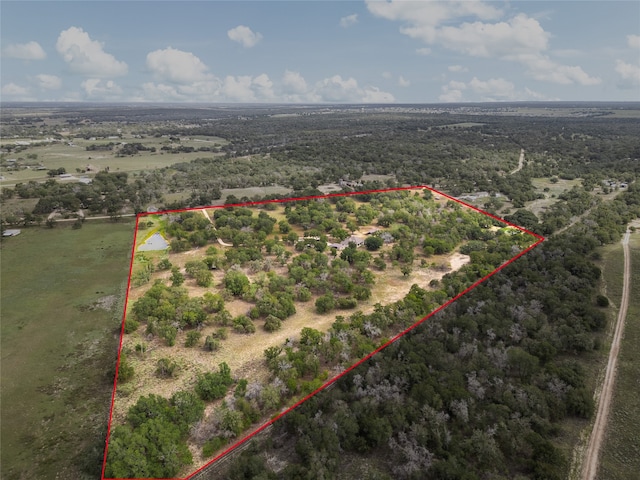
<point x="520" y="162"/>
<point x="590" y="464"/>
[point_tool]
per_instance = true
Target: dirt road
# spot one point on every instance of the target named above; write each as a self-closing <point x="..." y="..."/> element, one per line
<point x="590" y="463"/>
<point x="520" y="162"/>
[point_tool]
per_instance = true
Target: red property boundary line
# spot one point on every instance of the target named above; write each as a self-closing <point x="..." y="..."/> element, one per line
<point x="337" y="377"/>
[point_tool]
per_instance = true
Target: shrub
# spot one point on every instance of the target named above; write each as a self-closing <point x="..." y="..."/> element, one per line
<point x="212" y="344"/>
<point x="125" y="370"/>
<point x="166" y="368"/>
<point x="347" y="303"/>
<point x="192" y="338"/>
<point x="243" y="324"/>
<point x="221" y="333"/>
<point x="272" y="323"/>
<point x="130" y="325"/>
<point x="212" y="386"/>
<point x="325" y="303"/>
<point x="212" y="446"/>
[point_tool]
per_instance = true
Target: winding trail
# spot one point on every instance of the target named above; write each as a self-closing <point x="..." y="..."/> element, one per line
<point x="591" y="460"/>
<point x="520" y="163"/>
<point x="220" y="241"/>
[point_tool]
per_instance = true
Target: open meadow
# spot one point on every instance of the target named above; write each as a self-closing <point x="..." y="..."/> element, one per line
<point x="620" y="457"/>
<point x="62" y="300"/>
<point x="73" y="155"/>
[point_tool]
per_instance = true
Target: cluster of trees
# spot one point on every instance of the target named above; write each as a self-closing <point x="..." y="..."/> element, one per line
<point x="166" y="310"/>
<point x="153" y="442"/>
<point x="479" y="390"/>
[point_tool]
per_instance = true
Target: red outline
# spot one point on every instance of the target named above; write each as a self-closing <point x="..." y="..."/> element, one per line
<point x="334" y="379"/>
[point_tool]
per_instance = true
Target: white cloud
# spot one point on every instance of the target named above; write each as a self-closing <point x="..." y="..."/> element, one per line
<point x="97" y="88"/>
<point x="520" y="34"/>
<point x="492" y="90"/>
<point x="629" y="74"/>
<point x="86" y="56"/>
<point x="457" y="68"/>
<point x="349" y="20"/>
<point x="338" y="90"/>
<point x="159" y="92"/>
<point x="294" y="83"/>
<point x="520" y="38"/>
<point x="633" y="41"/>
<point x="375" y="95"/>
<point x="49" y="82"/>
<point x="14" y="90"/>
<point x="452" y="92"/>
<point x="244" y="36"/>
<point x="544" y="69"/>
<point x="423" y="51"/>
<point x="177" y="66"/>
<point x="239" y="88"/>
<point x="263" y="86"/>
<point x="402" y="82"/>
<point x="24" y="51"/>
<point x="425" y="15"/>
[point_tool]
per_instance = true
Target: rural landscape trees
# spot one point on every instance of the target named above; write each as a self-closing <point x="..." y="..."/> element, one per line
<point x="499" y="384"/>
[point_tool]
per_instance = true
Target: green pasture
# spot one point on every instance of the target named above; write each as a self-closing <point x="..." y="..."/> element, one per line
<point x="620" y="457"/>
<point x="62" y="299"/>
<point x="551" y="196"/>
<point x="63" y="155"/>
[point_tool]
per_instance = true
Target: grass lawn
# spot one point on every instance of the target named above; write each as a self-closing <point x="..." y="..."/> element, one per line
<point x="61" y="308"/>
<point x="620" y="457"/>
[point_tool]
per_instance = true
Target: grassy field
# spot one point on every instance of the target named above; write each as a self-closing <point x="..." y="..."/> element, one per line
<point x="620" y="458"/>
<point x="61" y="307"/>
<point x="551" y="195"/>
<point x="575" y="431"/>
<point x="63" y="155"/>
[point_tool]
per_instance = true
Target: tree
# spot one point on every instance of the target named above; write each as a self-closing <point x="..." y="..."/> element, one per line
<point x="325" y="303"/>
<point x="125" y="369"/>
<point x="176" y="278"/>
<point x="236" y="282"/>
<point x="192" y="339"/>
<point x="272" y="323"/>
<point x="203" y="278"/>
<point x="211" y="386"/>
<point x="373" y="242"/>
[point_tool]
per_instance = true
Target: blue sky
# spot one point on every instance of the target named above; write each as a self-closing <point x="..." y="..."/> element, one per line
<point x="320" y="51"/>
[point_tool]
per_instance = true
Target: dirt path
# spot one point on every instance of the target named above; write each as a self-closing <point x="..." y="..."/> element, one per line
<point x="520" y="162"/>
<point x="220" y="241"/>
<point x="590" y="464"/>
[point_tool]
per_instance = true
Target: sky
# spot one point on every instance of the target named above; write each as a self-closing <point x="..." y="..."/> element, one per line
<point x="319" y="51"/>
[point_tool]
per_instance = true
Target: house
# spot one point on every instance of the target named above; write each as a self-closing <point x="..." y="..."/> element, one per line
<point x="345" y="243"/>
<point x="11" y="233"/>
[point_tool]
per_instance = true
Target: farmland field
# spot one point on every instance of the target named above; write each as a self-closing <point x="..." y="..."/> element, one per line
<point x="61" y="309"/>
